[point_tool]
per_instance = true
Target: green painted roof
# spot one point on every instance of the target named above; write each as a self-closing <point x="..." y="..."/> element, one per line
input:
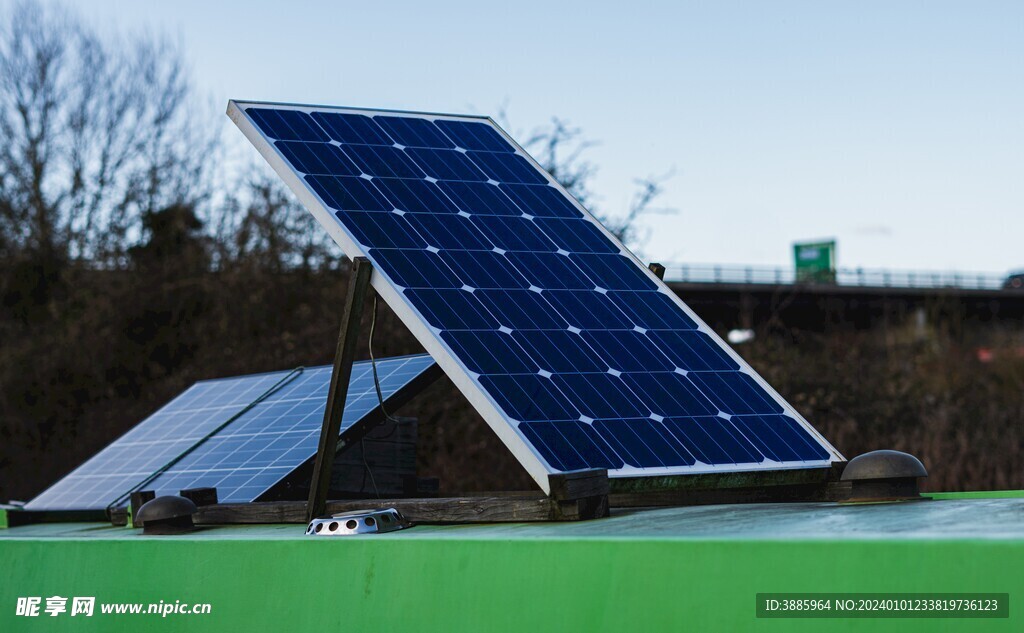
<point x="959" y="518"/>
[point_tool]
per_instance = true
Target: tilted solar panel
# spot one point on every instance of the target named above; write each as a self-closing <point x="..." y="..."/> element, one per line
<point x="248" y="456"/>
<point x="574" y="353"/>
<point x="270" y="441"/>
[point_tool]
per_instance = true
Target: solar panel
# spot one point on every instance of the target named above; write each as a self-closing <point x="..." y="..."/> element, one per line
<point x="248" y="456"/>
<point x="572" y="351"/>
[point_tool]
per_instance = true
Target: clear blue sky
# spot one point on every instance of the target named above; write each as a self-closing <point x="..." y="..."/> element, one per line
<point x="896" y="127"/>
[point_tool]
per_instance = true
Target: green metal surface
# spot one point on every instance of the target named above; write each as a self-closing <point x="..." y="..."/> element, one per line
<point x="978" y="494"/>
<point x="678" y="569"/>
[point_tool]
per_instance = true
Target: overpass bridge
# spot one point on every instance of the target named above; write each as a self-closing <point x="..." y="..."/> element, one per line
<point x="751" y="297"/>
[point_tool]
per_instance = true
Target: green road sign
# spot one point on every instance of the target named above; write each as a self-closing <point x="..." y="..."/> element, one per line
<point x="815" y="262"/>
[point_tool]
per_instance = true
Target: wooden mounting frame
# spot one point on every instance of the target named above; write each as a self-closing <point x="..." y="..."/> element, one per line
<point x="344" y="356"/>
<point x="575" y="496"/>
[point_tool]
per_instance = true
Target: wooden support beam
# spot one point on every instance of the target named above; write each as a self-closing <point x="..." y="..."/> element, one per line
<point x="577" y="484"/>
<point x="579" y="494"/>
<point x="348" y="336"/>
<point x="529" y="507"/>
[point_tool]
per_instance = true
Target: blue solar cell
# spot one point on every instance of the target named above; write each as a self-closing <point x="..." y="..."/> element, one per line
<point x="453" y="309"/>
<point x="352" y="128"/>
<point x="558" y="351"/>
<point x="445" y="164"/>
<point x="415" y="196"/>
<point x="734" y="392"/>
<point x="383" y="162"/>
<point x="651" y="311"/>
<point x="576" y="236"/>
<point x="507" y="168"/>
<point x="478" y="136"/>
<point x="549" y="271"/>
<point x="567" y="337"/>
<point x="287" y="125"/>
<point x="416" y="269"/>
<point x="479" y="198"/>
<point x="513" y="233"/>
<point x="713" y="440"/>
<point x="528" y="397"/>
<point x="692" y="350"/>
<point x="520" y="309"/>
<point x="483" y="269"/>
<point x="541" y="201"/>
<point x="669" y="394"/>
<point x="644" y="443"/>
<point x="348" y="194"/>
<point x="317" y="158"/>
<point x="587" y="310"/>
<point x="571" y="445"/>
<point x="627" y="350"/>
<point x="446" y="231"/>
<point x="489" y="352"/>
<point x="778" y="438"/>
<point x="386" y="230"/>
<point x="599" y="395"/>
<point x="253" y="450"/>
<point x="613" y="272"/>
<point x="414" y="132"/>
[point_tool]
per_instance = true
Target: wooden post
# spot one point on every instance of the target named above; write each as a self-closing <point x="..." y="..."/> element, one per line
<point x="200" y="496"/>
<point x="359" y="282"/>
<point x="579" y="494"/>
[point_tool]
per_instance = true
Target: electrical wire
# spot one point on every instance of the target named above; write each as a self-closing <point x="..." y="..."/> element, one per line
<point x="380" y="403"/>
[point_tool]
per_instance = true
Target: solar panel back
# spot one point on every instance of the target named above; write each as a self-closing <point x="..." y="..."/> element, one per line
<point x="573" y="352"/>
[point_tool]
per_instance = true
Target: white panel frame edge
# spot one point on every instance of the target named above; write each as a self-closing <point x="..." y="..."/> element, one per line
<point x="506" y="428"/>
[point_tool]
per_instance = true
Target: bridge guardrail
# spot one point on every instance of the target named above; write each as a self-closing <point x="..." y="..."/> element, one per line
<point x="866" y="277"/>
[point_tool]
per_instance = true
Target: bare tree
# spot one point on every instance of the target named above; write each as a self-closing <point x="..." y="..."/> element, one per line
<point x="561" y="148"/>
<point x="97" y="134"/>
<point x="263" y="225"/>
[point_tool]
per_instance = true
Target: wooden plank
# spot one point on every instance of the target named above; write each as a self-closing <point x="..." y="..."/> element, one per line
<point x="119" y="517"/>
<point x="348" y="336"/>
<point x="440" y="510"/>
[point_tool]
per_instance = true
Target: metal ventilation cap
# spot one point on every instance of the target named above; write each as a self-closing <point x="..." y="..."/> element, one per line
<point x="169" y="514"/>
<point x="359" y="522"/>
<point x="884" y="476"/>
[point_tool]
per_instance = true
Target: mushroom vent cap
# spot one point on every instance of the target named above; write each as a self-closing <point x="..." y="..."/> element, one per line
<point x="883" y="465"/>
<point x="884" y="476"/>
<point x="169" y="514"/>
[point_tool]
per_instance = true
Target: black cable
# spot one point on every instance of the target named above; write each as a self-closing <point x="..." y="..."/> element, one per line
<point x="292" y="375"/>
<point x="380" y="403"/>
<point x="373" y="364"/>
